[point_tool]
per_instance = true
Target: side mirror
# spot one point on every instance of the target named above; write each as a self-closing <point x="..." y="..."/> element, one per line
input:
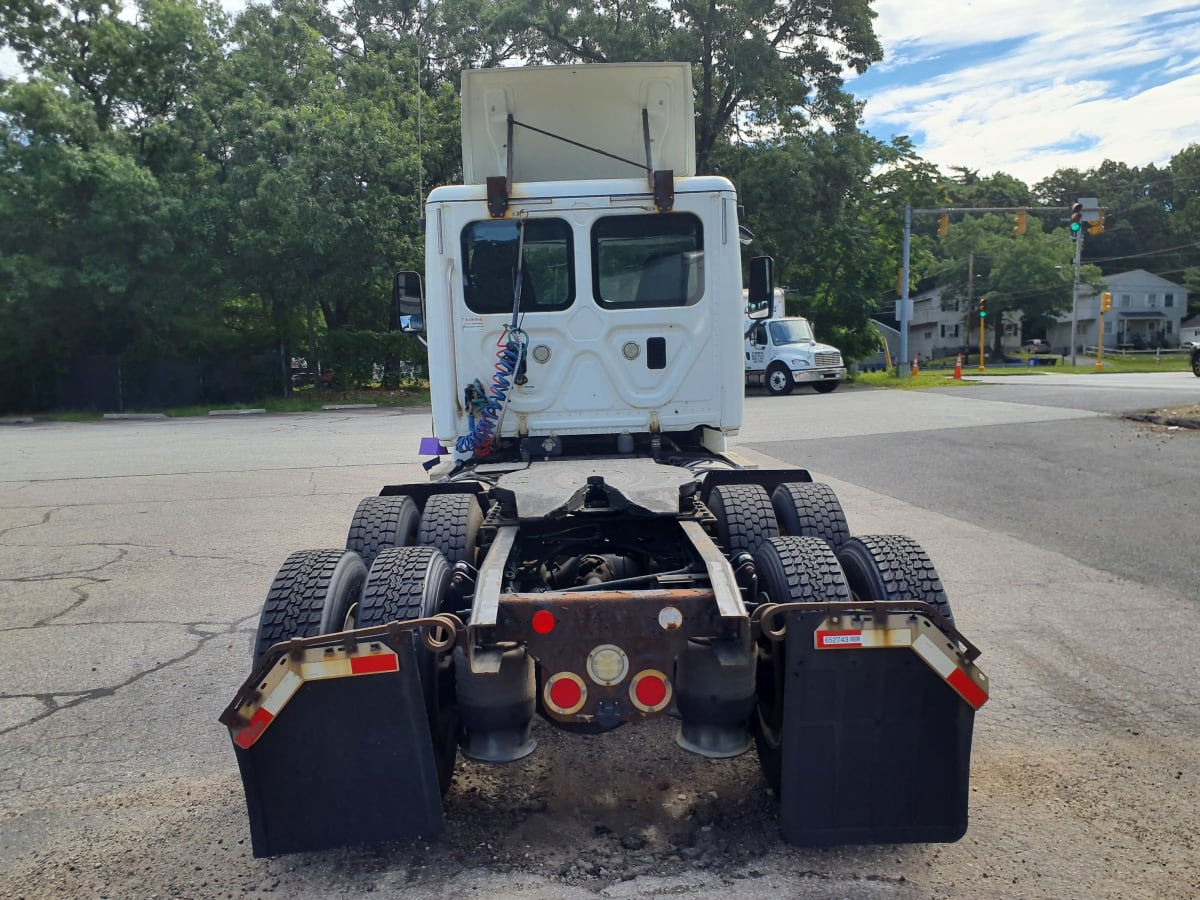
<point x="408" y="304"/>
<point x="762" y="282"/>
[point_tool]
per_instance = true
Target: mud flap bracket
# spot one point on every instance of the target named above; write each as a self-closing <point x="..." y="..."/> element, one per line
<point x="334" y="749"/>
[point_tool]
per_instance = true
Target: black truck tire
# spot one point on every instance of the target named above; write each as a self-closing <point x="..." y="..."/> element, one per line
<point x="1196" y="362"/>
<point x="382" y="522"/>
<point x="407" y="583"/>
<point x="808" y="509"/>
<point x="451" y="523"/>
<point x="892" y="567"/>
<point x="313" y="593"/>
<point x="825" y="387"/>
<point x="791" y="569"/>
<point x="745" y="517"/>
<point x="779" y="380"/>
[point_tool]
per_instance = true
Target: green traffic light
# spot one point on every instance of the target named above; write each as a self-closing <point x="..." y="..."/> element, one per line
<point x="1075" y="226"/>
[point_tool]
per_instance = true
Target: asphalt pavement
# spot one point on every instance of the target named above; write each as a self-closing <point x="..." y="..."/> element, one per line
<point x="134" y="557"/>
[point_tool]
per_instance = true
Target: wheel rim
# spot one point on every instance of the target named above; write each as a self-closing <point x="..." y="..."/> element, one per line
<point x="778" y="380"/>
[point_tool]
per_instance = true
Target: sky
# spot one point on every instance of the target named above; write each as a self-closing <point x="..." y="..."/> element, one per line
<point x="1027" y="87"/>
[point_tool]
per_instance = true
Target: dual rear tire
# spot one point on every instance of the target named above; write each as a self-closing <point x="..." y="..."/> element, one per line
<point x="803" y="553"/>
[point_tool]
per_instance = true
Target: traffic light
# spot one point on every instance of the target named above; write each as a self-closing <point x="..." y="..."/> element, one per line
<point x="983" y="307"/>
<point x="1076" y="218"/>
<point x="943" y="224"/>
<point x="1022" y="220"/>
<point x="1105" y="301"/>
<point x="1097" y="227"/>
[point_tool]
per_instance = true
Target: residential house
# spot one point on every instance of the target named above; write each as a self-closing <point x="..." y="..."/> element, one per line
<point x="942" y="327"/>
<point x="1147" y="312"/>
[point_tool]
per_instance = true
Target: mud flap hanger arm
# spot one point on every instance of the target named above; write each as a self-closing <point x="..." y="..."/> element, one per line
<point x="440" y="632"/>
<point x="661" y="182"/>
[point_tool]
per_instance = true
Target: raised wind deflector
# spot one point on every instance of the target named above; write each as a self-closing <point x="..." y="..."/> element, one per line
<point x="578" y="123"/>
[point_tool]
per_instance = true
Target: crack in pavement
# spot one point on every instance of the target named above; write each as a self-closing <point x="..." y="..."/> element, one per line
<point x="45" y="521"/>
<point x="76" y="573"/>
<point x="83" y="597"/>
<point x="51" y="701"/>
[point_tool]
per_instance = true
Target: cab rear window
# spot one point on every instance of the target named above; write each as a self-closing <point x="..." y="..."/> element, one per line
<point x="490" y="252"/>
<point x="648" y="261"/>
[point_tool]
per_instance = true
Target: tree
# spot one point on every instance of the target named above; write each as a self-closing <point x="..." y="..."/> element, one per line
<point x="829" y="207"/>
<point x="93" y="236"/>
<point x="774" y="68"/>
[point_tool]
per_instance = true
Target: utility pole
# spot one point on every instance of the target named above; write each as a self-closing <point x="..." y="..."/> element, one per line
<point x="971" y="300"/>
<point x="904" y="302"/>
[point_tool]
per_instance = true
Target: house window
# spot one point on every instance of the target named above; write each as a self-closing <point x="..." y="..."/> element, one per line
<point x="1168" y="299"/>
<point x="1151" y="301"/>
<point x="949" y="330"/>
<point x="1170" y="327"/>
<point x="929" y="335"/>
<point x="1108" y="326"/>
<point x="1126" y="300"/>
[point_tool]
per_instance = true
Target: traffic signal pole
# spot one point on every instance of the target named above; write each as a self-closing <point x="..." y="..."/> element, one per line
<point x="943" y="215"/>
<point x="1075" y="294"/>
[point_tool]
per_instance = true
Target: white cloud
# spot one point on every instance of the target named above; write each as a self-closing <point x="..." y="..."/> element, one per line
<point x="1080" y="83"/>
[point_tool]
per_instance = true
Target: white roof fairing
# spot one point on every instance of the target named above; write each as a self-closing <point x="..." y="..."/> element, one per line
<point x="598" y="106"/>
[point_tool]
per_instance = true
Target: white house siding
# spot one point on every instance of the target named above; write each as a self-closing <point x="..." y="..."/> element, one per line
<point x="935" y="331"/>
<point x="1147" y="310"/>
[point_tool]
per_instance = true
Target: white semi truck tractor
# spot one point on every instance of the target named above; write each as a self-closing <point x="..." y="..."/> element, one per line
<point x="588" y="549"/>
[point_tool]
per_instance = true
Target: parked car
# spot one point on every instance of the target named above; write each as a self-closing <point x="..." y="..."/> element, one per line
<point x="1037" y="345"/>
<point x="306" y="377"/>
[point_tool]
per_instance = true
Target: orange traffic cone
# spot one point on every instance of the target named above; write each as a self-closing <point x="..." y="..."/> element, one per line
<point x="958" y="366"/>
<point x="916" y="369"/>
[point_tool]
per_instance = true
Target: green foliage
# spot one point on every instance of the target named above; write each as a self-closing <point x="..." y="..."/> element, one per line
<point x="177" y="185"/>
<point x="353" y="355"/>
<point x="768" y="67"/>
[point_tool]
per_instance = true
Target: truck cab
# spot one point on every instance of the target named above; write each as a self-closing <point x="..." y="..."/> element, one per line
<point x="781" y="351"/>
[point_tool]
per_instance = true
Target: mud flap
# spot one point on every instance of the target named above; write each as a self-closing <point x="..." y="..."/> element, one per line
<point x="345" y="760"/>
<point x="876" y="745"/>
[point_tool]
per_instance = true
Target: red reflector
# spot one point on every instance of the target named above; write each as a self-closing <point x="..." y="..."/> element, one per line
<point x="650" y="690"/>
<point x="379" y="662"/>
<point x="967" y="689"/>
<point x="566" y="693"/>
<point x="543" y="621"/>
<point x="252" y="732"/>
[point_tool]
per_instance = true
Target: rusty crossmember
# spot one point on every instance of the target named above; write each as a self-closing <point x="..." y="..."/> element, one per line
<point x="761" y="618"/>
<point x="648" y="624"/>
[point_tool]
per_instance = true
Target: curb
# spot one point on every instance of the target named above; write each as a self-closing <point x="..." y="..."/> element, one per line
<point x="1169" y="421"/>
<point x="19" y="420"/>
<point x="351" y="406"/>
<point x="236" y="412"/>
<point x="135" y="416"/>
